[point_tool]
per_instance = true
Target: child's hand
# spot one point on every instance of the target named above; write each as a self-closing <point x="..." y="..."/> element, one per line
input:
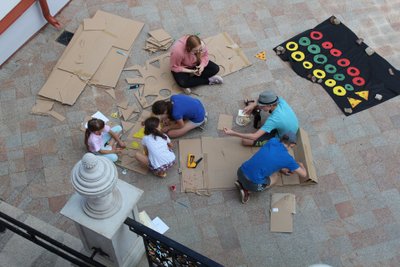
<point x="118" y="150"/>
<point x="228" y="131"/>
<point x="122" y="144"/>
<point x="165" y="129"/>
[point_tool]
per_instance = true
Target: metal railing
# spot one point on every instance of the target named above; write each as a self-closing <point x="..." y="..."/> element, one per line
<point x="165" y="252"/>
<point x="50" y="244"/>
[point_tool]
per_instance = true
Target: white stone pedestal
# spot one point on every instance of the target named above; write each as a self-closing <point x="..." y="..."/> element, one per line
<point x="111" y="235"/>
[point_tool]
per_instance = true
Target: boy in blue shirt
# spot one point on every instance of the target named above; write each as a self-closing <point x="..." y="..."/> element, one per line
<point x="187" y="113"/>
<point x="256" y="174"/>
<point x="282" y="119"/>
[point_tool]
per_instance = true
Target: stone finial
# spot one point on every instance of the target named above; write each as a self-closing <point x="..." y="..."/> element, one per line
<point x="94" y="178"/>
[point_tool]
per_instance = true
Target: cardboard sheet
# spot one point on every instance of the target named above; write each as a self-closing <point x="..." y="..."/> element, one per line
<point x="224" y="157"/>
<point x="218" y="171"/>
<point x="283" y="206"/>
<point x="302" y="153"/>
<point x="226" y="53"/>
<point x="224" y="121"/>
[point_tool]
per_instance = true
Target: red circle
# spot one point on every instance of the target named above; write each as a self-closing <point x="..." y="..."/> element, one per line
<point x="343" y="62"/>
<point x="358" y="81"/>
<point x="335" y="52"/>
<point x="327" y="45"/>
<point x="353" y="71"/>
<point x="315" y="35"/>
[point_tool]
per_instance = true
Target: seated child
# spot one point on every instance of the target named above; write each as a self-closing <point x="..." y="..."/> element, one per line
<point x="158" y="155"/>
<point x="100" y="139"/>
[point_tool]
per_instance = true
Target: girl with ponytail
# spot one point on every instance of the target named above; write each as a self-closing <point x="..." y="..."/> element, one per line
<point x="158" y="155"/>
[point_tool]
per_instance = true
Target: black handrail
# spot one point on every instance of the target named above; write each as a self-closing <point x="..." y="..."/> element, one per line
<point x="50" y="244"/>
<point x="163" y="251"/>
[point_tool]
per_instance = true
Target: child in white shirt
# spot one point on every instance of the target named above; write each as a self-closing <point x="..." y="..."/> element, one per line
<point x="157" y="146"/>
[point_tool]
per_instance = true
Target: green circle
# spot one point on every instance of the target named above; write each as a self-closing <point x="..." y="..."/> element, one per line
<point x="314" y="49"/>
<point x="339" y="77"/>
<point x="304" y="41"/>
<point x="320" y="59"/>
<point x="329" y="68"/>
<point x="348" y="87"/>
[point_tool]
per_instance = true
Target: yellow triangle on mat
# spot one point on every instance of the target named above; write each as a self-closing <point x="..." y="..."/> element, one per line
<point x="262" y="55"/>
<point x="363" y="94"/>
<point x="353" y="102"/>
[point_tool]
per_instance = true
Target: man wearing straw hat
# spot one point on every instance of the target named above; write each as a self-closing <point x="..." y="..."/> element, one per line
<point x="282" y="119"/>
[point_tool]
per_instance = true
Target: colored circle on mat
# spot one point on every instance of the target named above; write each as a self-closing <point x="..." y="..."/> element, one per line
<point x="292" y="46"/>
<point x="320" y="74"/>
<point x="343" y="62"/>
<point x="327" y="45"/>
<point x="329" y="68"/>
<point x="330" y="82"/>
<point x="316" y="35"/>
<point x="307" y="65"/>
<point x="304" y="41"/>
<point x="339" y="90"/>
<point x="335" y="52"/>
<point x="298" y="56"/>
<point x="314" y="49"/>
<point x="348" y="87"/>
<point x="320" y="59"/>
<point x="353" y="71"/>
<point x="358" y="81"/>
<point x="339" y="77"/>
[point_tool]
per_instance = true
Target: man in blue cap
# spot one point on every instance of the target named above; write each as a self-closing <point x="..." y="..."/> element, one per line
<point x="256" y="174"/>
<point x="282" y="119"/>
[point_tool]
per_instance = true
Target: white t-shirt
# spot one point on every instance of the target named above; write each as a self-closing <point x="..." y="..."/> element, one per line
<point x="159" y="153"/>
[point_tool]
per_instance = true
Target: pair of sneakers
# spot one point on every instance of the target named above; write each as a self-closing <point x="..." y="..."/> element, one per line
<point x="216" y="79"/>
<point x="244" y="194"/>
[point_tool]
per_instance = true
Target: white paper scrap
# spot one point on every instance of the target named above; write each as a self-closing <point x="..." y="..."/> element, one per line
<point x="159" y="225"/>
<point x="275" y="210"/>
<point x="99" y="115"/>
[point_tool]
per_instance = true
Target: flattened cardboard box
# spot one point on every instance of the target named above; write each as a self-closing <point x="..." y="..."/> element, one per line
<point x="225" y="155"/>
<point x="283" y="206"/>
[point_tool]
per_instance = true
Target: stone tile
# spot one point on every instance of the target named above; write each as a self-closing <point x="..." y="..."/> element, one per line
<point x="383" y="216"/>
<point x="57" y="203"/>
<point x="368" y="237"/>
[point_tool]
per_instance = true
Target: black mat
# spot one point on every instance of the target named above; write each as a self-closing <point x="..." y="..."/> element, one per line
<point x="65" y="38"/>
<point x="352" y="78"/>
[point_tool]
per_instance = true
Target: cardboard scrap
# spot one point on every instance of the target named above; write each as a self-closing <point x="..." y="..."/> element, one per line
<point x="159" y="40"/>
<point x="283" y="206"/>
<point x="224" y="121"/>
<point x="44" y="107"/>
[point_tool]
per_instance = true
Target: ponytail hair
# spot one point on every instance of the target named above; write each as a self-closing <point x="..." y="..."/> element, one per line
<point x="150" y="127"/>
<point x="191" y="42"/>
<point x="93" y="125"/>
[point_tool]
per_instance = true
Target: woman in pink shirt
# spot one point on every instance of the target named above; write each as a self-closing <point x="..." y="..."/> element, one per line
<point x="190" y="65"/>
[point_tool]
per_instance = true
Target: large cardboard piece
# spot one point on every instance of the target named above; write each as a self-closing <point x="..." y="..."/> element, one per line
<point x="224" y="157"/>
<point x="283" y="206"/>
<point x="226" y="53"/>
<point x="96" y="54"/>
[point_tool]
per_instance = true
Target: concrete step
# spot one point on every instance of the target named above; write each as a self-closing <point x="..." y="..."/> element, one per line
<point x="20" y="252"/>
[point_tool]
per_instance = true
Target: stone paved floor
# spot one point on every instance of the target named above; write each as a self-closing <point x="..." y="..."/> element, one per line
<point x="351" y="218"/>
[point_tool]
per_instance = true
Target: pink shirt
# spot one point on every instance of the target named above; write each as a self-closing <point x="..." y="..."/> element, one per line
<point x="180" y="58"/>
<point x="95" y="142"/>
